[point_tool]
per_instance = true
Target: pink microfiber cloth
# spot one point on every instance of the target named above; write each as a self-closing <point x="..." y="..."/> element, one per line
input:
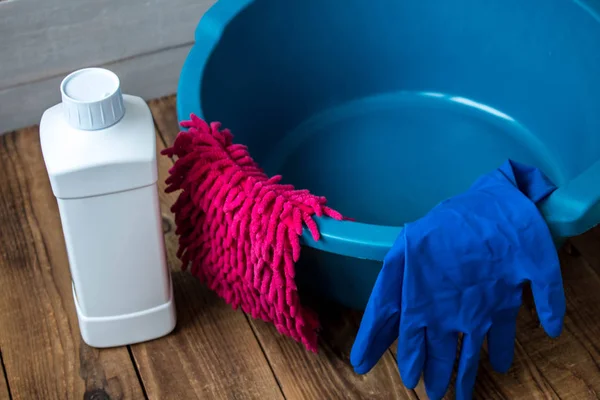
<point x="240" y="230"/>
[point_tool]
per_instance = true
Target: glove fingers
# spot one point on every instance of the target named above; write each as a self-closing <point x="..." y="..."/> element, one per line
<point x="468" y="365"/>
<point x="377" y="332"/>
<point x="501" y="341"/>
<point x="411" y="353"/>
<point x="381" y="320"/>
<point x="550" y="303"/>
<point x="441" y="355"/>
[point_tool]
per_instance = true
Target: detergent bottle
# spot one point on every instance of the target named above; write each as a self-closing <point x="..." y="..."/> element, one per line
<point x="99" y="149"/>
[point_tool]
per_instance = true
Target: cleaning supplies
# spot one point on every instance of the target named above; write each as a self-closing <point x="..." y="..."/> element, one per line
<point x="461" y="269"/>
<point x="99" y="148"/>
<point x="240" y="230"/>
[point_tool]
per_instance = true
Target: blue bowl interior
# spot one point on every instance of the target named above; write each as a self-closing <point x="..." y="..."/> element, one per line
<point x="388" y="107"/>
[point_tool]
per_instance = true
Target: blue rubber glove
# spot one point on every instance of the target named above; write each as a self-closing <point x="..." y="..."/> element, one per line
<point x="461" y="269"/>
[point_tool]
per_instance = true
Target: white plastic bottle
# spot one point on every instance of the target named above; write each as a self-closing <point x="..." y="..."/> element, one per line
<point x="99" y="148"/>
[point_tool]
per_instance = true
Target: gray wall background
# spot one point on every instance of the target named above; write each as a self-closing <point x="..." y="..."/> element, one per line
<point x="144" y="41"/>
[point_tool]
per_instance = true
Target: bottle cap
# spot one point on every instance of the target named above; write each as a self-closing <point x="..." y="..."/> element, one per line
<point x="92" y="99"/>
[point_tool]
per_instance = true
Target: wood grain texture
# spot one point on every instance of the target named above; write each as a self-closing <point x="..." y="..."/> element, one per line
<point x="41" y="347"/>
<point x="329" y="374"/>
<point x="50" y="38"/>
<point x="213" y="352"/>
<point x="4" y="390"/>
<point x="572" y="363"/>
<point x="147" y="76"/>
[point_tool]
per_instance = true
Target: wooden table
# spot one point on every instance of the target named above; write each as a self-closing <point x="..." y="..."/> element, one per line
<point x="216" y="352"/>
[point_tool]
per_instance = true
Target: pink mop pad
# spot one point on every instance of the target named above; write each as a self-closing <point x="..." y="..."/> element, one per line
<point x="240" y="230"/>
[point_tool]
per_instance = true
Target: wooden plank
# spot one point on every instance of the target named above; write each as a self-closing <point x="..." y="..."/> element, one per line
<point x="49" y="38"/>
<point x="39" y="334"/>
<point x="328" y="374"/>
<point x="164" y="110"/>
<point x="4" y="391"/>
<point x="213" y="352"/>
<point x="574" y="360"/>
<point x="148" y="76"/>
<point x="293" y="365"/>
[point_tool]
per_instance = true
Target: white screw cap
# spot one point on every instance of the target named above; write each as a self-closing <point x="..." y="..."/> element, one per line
<point x="92" y="99"/>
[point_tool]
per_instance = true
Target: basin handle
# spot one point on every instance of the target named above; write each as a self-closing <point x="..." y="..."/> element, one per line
<point x="574" y="207"/>
<point x="353" y="239"/>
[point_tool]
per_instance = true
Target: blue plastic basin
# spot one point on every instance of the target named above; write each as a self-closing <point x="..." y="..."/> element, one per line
<point x="388" y="107"/>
